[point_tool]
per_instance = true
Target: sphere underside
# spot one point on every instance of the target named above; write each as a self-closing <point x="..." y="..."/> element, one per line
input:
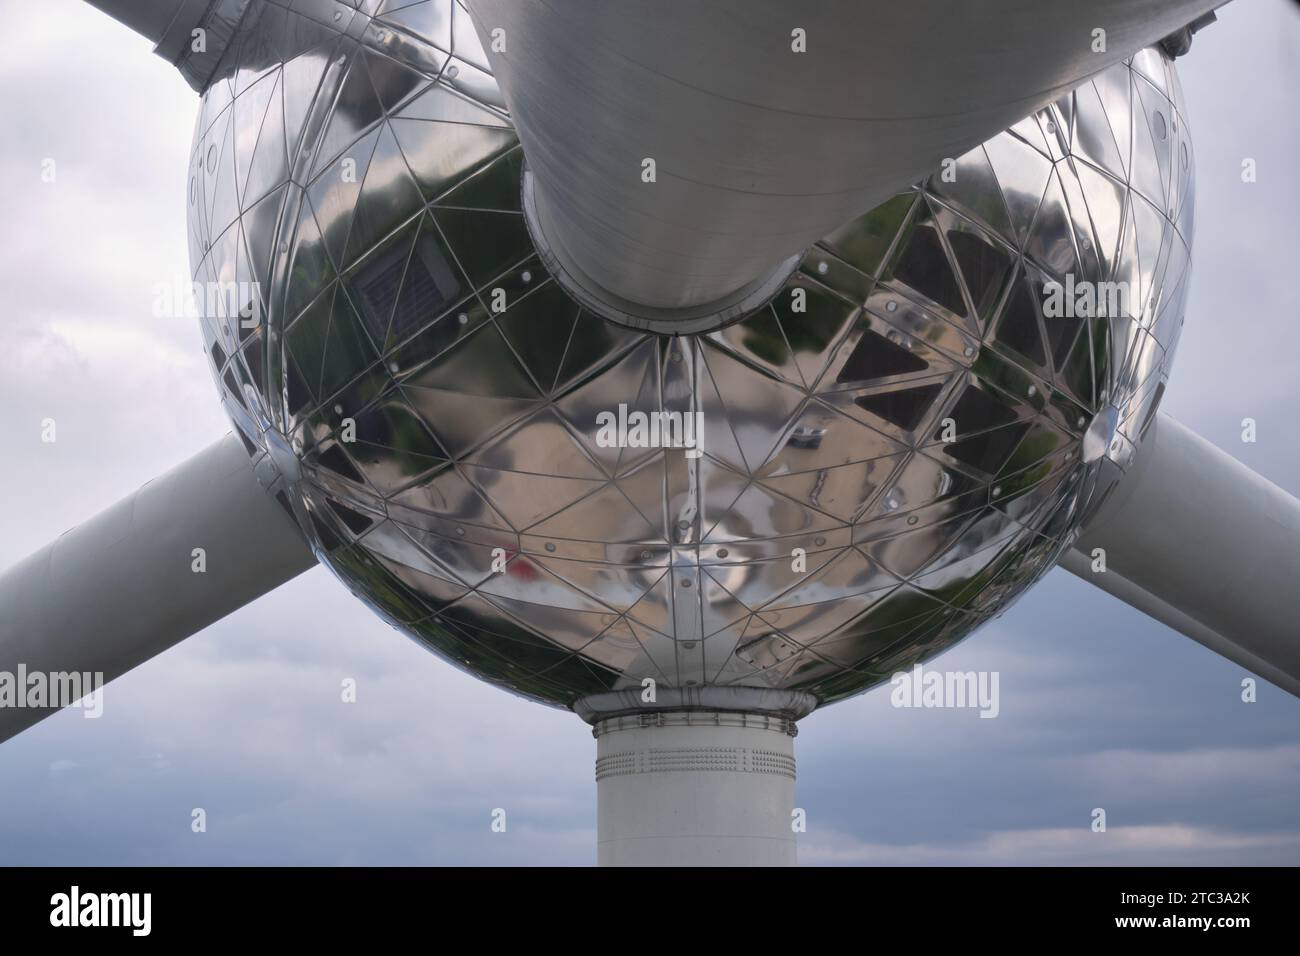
<point x="891" y="450"/>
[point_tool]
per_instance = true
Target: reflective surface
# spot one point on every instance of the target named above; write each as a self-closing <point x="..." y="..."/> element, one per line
<point x="363" y="173"/>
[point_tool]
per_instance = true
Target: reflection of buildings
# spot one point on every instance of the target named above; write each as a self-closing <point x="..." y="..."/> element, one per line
<point x="411" y="302"/>
<point x="918" y="312"/>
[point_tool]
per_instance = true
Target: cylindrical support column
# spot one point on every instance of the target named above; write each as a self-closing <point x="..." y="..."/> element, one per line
<point x="683" y="151"/>
<point x="695" y="788"/>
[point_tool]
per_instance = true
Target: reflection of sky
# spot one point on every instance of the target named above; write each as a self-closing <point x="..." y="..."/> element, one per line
<point x="1099" y="707"/>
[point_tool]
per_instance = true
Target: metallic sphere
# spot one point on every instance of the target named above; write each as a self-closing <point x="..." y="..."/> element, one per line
<point x="891" y="450"/>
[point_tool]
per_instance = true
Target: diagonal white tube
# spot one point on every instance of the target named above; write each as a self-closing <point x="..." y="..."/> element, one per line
<point x="173" y="27"/>
<point x="156" y="20"/>
<point x="760" y="149"/>
<point x="1200" y="542"/>
<point x="122" y="587"/>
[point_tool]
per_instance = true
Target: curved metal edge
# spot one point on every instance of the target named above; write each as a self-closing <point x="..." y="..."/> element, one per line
<point x="696" y="718"/>
<point x="790" y="704"/>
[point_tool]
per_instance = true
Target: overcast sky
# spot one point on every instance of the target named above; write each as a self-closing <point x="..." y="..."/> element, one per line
<point x="1100" y="707"/>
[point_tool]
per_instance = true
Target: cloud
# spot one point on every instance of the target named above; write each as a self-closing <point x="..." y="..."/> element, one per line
<point x="1173" y="845"/>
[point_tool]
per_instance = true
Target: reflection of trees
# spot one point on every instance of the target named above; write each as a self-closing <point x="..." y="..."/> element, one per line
<point x="864" y="242"/>
<point x="763" y="338"/>
<point x="1036" y="447"/>
<point x="809" y="332"/>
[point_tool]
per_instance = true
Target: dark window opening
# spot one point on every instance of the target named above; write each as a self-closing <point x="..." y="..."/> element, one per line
<point x="875" y="356"/>
<point x="905" y="408"/>
<point x="924" y="266"/>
